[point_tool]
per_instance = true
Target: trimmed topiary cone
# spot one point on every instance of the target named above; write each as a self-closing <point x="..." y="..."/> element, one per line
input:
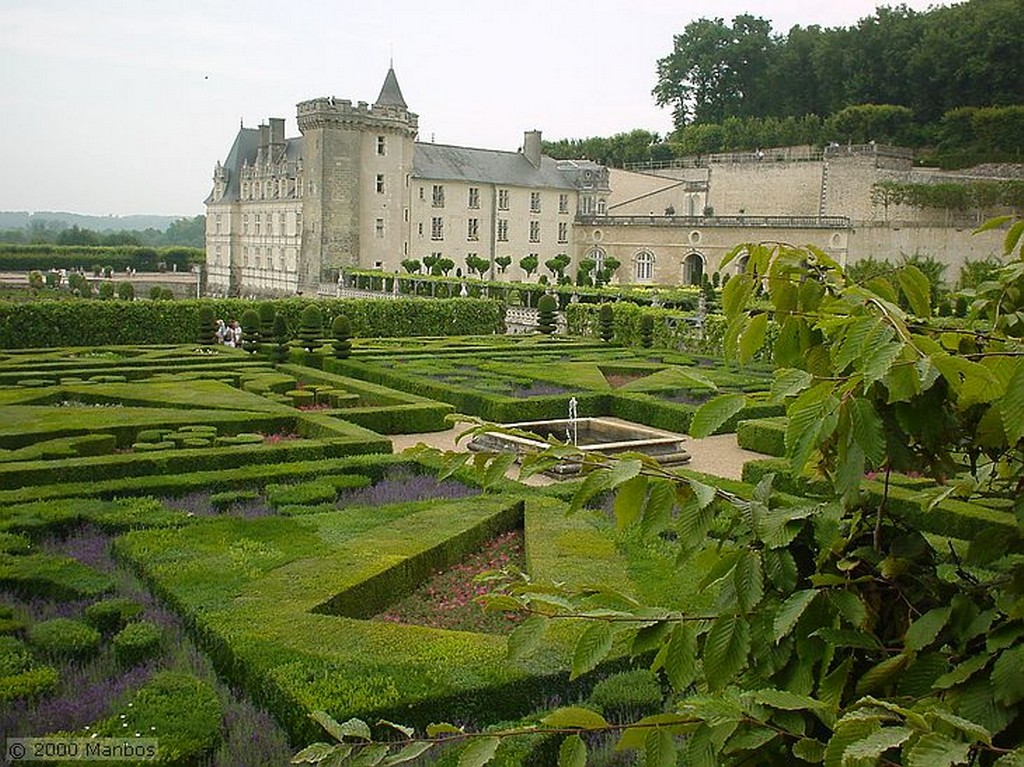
<point x="268" y="317"/>
<point x="207" y="326"/>
<point x="341" y="330"/>
<point x="546" y="308"/>
<point x="606" y="322"/>
<point x="646" y="331"/>
<point x="251" y="331"/>
<point x="280" y="338"/>
<point x="311" y="328"/>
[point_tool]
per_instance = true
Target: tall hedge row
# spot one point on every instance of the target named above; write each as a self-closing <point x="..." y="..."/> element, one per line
<point x="22" y="258"/>
<point x="27" y="325"/>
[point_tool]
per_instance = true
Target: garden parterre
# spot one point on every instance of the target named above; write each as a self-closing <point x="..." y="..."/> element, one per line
<point x="266" y="520"/>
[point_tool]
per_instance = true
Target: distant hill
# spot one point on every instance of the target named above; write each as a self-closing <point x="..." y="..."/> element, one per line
<point x="22" y="219"/>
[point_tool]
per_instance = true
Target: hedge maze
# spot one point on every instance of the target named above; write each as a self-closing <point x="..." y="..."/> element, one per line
<point x="180" y="496"/>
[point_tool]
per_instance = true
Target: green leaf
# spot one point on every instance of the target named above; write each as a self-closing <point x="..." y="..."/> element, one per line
<point x="786" y="700"/>
<point x="936" y="750"/>
<point x="497" y="468"/>
<point x="681" y="657"/>
<point x="659" y="749"/>
<point x="881" y="673"/>
<point x="925" y="629"/>
<point x="808" y="750"/>
<point x="867" y="430"/>
<point x="715" y="412"/>
<point x="370" y="755"/>
<point x="846" y="733"/>
<point x="752" y="338"/>
<point x="635" y="735"/>
<point x="406" y="731"/>
<point x="442" y="728"/>
<point x="526" y="636"/>
<point x="596" y="482"/>
<point x="736" y="293"/>
<point x="875" y="744"/>
<point x="993" y="223"/>
<point x="314" y="753"/>
<point x="629" y="502"/>
<point x="591" y="648"/>
<point x="849" y="605"/>
<point x="726" y="649"/>
<point x="1013" y="236"/>
<point x="1012" y="405"/>
<point x="806" y="414"/>
<point x="623" y="471"/>
<point x="976" y="731"/>
<point x="748" y="580"/>
<point x="961" y="673"/>
<point x="479" y="752"/>
<point x="780" y="566"/>
<point x="649" y="637"/>
<point x="408" y="754"/>
<point x="973" y="383"/>
<point x="353" y="728"/>
<point x="705" y="493"/>
<point x="916" y="288"/>
<point x="790" y="611"/>
<point x="1008" y="676"/>
<point x="572" y="752"/>
<point x="658" y="509"/>
<point x="575" y="718"/>
<point x="788" y="382"/>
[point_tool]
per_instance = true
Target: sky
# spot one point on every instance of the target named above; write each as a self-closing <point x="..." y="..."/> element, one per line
<point x="118" y="107"/>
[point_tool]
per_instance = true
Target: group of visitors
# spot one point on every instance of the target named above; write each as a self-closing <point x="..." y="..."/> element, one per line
<point x="230" y="333"/>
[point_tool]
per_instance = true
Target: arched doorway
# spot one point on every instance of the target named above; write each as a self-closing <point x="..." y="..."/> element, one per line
<point x="693" y="269"/>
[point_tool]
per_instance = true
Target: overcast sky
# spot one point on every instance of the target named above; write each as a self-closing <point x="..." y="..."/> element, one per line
<point x="120" y="107"/>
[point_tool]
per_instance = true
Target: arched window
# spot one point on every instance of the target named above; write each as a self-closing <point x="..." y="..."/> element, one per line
<point x="741" y="262"/>
<point x="693" y="269"/>
<point x="644" y="266"/>
<point x="597" y="255"/>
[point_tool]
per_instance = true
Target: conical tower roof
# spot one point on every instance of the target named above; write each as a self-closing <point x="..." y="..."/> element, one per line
<point x="390" y="93"/>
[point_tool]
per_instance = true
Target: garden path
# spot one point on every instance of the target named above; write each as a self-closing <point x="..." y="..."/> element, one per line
<point x="718" y="456"/>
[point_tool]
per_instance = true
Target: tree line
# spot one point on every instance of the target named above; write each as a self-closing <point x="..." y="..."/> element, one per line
<point x="949" y="80"/>
<point x="185" y="232"/>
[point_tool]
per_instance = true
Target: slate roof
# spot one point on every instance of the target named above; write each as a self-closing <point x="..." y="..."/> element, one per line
<point x="390" y="93"/>
<point x="486" y="166"/>
<point x="245" y="149"/>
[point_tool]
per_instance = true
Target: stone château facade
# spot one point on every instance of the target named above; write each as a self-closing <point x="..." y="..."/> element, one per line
<point x="357" y="190"/>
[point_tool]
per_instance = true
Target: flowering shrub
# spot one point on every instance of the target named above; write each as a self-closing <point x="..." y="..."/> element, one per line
<point x="450" y="600"/>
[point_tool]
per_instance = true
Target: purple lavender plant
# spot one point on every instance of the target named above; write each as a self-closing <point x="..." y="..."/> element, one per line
<point x="402" y="486"/>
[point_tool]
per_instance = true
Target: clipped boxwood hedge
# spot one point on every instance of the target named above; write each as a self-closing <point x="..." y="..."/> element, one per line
<point x="137" y="642"/>
<point x="64" y="638"/>
<point x="109" y="615"/>
<point x="763" y="435"/>
<point x="46" y="575"/>
<point x="98" y="323"/>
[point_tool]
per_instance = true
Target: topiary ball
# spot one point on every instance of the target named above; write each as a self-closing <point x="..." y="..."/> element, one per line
<point x="65" y="638"/>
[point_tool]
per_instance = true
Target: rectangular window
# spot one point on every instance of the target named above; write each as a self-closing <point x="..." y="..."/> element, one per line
<point x="502" y="230"/>
<point x="380" y="183"/>
<point x="535" y="231"/>
<point x="218" y="223"/>
<point x="257" y="224"/>
<point x="473" y="229"/>
<point x="535" y="202"/>
<point x="474" y="197"/>
<point x="381" y="145"/>
<point x="563" y="232"/>
<point x="563" y="203"/>
<point x="378" y="228"/>
<point x="503" y="199"/>
<point x="298" y="223"/>
<point x="438" y="198"/>
<point x="245" y="224"/>
<point x="420" y="228"/>
<point x="437" y="228"/>
<point x="421" y="194"/>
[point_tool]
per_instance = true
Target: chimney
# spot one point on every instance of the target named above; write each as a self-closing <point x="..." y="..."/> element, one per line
<point x="277" y="131"/>
<point x="531" y="147"/>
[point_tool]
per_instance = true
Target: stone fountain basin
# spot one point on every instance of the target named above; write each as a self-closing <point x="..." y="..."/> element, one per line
<point x="609" y="436"/>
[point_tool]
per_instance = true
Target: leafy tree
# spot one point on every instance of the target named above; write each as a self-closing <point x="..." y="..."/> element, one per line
<point x="411" y="265"/>
<point x="503" y="263"/>
<point x="477" y="264"/>
<point x="529" y="264"/>
<point x="557" y="266"/>
<point x="126" y="291"/>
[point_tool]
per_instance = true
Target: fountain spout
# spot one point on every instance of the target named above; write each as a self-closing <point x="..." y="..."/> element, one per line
<point x="572" y="433"/>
